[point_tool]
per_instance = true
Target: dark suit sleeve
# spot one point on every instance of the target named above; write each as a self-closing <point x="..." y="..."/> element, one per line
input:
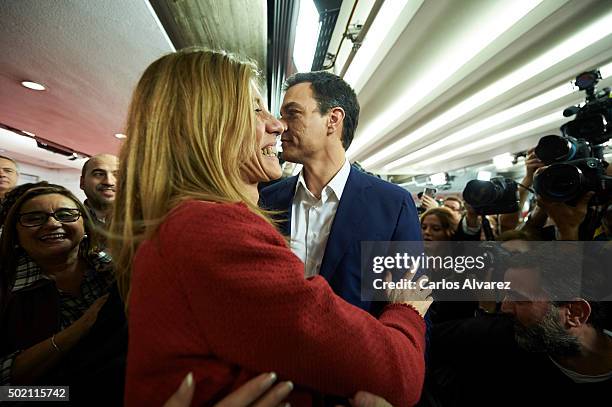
<point x="408" y="227"/>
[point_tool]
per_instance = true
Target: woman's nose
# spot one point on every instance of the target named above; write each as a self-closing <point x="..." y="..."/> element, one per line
<point x="274" y="126"/>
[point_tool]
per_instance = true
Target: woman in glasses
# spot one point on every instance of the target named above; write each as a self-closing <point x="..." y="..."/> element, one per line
<point x="53" y="283"/>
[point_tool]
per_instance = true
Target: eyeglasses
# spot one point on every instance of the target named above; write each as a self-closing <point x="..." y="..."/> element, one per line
<point x="62" y="215"/>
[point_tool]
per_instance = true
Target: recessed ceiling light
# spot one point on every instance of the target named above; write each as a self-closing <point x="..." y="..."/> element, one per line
<point x="120" y="136"/>
<point x="33" y="85"/>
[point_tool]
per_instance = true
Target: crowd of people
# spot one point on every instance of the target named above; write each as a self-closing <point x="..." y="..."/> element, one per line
<point x="179" y="281"/>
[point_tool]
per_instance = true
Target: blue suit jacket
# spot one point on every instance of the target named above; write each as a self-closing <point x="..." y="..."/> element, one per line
<point x="370" y="210"/>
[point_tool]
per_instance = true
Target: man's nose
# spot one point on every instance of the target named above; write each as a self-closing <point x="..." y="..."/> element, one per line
<point x="284" y="124"/>
<point x="111" y="179"/>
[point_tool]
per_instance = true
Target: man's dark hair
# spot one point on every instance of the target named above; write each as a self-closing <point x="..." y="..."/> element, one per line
<point x="331" y="91"/>
<point x="560" y="270"/>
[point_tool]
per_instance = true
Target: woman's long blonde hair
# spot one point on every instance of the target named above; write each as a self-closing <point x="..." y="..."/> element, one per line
<point x="190" y="127"/>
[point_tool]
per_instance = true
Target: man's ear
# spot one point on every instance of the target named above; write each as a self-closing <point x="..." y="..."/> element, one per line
<point x="82" y="183"/>
<point x="336" y="118"/>
<point x="577" y="312"/>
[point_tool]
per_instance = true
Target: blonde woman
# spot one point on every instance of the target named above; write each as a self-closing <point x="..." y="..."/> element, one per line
<point x="211" y="286"/>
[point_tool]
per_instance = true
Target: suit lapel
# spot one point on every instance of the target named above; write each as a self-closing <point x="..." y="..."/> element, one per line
<point x="345" y="227"/>
<point x="283" y="202"/>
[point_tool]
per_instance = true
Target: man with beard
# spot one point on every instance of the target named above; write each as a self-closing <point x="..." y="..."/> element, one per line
<point x="98" y="179"/>
<point x="550" y="346"/>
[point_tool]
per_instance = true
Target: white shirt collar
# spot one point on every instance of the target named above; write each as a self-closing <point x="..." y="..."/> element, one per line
<point x="335" y="185"/>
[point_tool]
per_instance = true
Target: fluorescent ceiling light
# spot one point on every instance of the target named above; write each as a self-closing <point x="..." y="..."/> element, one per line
<point x="483" y="125"/>
<point x="503" y="161"/>
<point x="27" y="146"/>
<point x="606" y="71"/>
<point x="472" y="43"/>
<point x="440" y="178"/>
<point x="592" y="34"/>
<point x="120" y="136"/>
<point x="306" y="37"/>
<point x="490" y="122"/>
<point x="389" y="23"/>
<point x="494" y="139"/>
<point x="33" y="85"/>
<point x="484" y="176"/>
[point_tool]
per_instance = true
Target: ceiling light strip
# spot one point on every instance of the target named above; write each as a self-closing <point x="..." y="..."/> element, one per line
<point x="587" y="37"/>
<point x="483" y="125"/>
<point x="493" y="121"/>
<point x="494" y="139"/>
<point x="472" y="44"/>
<point x="388" y="25"/>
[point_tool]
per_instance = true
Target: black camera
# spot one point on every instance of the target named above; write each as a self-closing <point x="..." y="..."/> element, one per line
<point x="554" y="149"/>
<point x="568" y="181"/>
<point x="575" y="163"/>
<point x="499" y="195"/>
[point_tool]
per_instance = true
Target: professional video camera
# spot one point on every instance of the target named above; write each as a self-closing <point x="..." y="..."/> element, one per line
<point x="575" y="161"/>
<point x="499" y="195"/>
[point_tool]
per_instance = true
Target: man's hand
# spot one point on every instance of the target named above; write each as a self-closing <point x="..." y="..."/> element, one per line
<point x="532" y="163"/>
<point x="418" y="298"/>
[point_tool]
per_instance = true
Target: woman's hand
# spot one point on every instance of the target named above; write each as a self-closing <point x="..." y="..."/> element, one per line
<point x="34" y="362"/>
<point x="419" y="298"/>
<point x="255" y="393"/>
<point x="90" y="316"/>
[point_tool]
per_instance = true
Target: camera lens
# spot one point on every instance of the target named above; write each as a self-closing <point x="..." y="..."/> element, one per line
<point x="477" y="193"/>
<point x="559" y="182"/>
<point x="553" y="148"/>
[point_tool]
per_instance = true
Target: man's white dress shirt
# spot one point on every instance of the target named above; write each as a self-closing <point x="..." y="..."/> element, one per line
<point x="312" y="218"/>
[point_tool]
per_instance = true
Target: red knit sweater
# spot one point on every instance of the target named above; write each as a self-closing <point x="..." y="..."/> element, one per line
<point x="218" y="293"/>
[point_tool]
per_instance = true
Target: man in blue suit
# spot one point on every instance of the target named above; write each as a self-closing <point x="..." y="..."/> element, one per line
<point x="331" y="207"/>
